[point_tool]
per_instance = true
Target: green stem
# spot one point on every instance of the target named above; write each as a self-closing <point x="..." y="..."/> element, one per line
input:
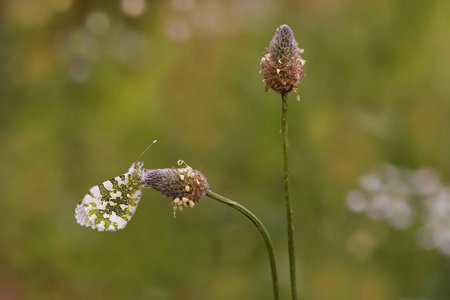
<point x="262" y="230"/>
<point x="287" y="188"/>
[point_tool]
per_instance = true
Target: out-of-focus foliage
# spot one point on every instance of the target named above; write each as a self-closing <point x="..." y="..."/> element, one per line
<point x="85" y="86"/>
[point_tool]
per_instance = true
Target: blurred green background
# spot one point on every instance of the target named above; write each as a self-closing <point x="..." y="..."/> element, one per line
<point x="85" y="86"/>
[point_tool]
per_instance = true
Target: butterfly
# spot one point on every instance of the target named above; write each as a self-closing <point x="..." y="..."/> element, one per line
<point x="110" y="205"/>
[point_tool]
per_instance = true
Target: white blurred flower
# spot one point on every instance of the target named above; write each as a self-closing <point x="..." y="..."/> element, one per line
<point x="436" y="230"/>
<point x="357" y="201"/>
<point x="383" y="196"/>
<point x="396" y="195"/>
<point x="426" y="181"/>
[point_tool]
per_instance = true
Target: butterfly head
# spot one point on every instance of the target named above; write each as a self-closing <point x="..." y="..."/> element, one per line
<point x="137" y="169"/>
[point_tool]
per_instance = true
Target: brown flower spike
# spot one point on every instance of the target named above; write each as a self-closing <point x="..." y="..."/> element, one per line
<point x="185" y="186"/>
<point x="282" y="66"/>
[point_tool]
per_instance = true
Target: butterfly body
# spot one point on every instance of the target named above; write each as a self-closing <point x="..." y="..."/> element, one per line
<point x="110" y="205"/>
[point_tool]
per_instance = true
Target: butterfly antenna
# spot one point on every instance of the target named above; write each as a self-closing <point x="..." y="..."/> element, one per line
<point x="146" y="149"/>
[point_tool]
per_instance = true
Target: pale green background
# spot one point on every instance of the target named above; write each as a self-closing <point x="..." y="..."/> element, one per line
<point x="85" y="86"/>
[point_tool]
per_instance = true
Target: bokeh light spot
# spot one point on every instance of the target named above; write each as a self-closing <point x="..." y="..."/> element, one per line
<point x="182" y="5"/>
<point x="79" y="70"/>
<point x="97" y="22"/>
<point x="133" y="7"/>
<point x="178" y="31"/>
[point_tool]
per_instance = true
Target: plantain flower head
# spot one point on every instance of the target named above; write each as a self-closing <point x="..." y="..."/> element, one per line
<point x="185" y="186"/>
<point x="282" y="65"/>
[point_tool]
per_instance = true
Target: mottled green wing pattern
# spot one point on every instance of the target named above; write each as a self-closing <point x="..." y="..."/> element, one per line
<point x="110" y="205"/>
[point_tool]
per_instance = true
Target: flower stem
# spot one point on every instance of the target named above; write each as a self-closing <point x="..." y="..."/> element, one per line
<point x="262" y="230"/>
<point x="287" y="187"/>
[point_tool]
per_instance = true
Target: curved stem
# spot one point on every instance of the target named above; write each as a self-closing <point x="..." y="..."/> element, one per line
<point x="261" y="229"/>
<point x="287" y="187"/>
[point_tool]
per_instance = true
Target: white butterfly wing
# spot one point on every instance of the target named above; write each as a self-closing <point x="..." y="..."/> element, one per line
<point x="110" y="205"/>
